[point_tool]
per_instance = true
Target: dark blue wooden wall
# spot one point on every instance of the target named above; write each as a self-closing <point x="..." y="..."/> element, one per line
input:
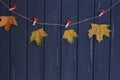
<point x="85" y="59"/>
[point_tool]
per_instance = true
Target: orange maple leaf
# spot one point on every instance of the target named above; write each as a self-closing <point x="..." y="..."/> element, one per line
<point x="7" y="21"/>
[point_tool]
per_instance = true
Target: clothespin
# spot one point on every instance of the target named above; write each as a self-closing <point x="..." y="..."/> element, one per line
<point x="103" y="11"/>
<point x="14" y="7"/>
<point x="34" y="21"/>
<point x="68" y="23"/>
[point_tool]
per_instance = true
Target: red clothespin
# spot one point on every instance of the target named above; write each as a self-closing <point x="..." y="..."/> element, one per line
<point x="14" y="7"/>
<point x="103" y="11"/>
<point x="68" y="23"/>
<point x="34" y="21"/>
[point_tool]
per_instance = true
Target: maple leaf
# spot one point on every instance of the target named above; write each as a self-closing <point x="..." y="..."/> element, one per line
<point x="69" y="35"/>
<point x="7" y="21"/>
<point x="99" y="30"/>
<point x="38" y="36"/>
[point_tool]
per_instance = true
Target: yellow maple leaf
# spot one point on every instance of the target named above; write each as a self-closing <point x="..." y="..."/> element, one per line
<point x="38" y="36"/>
<point x="99" y="30"/>
<point x="7" y="21"/>
<point x="69" y="35"/>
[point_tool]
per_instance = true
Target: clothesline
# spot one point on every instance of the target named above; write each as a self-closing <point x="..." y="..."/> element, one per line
<point x="55" y="24"/>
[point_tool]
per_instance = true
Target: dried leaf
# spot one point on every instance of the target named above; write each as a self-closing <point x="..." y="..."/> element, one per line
<point x="99" y="30"/>
<point x="69" y="35"/>
<point x="38" y="36"/>
<point x="7" y="21"/>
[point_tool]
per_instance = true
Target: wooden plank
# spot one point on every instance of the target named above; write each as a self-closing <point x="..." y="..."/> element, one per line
<point x="69" y="51"/>
<point x="19" y="43"/>
<point x="52" y="42"/>
<point x="101" y="50"/>
<point x="85" y="45"/>
<point x="4" y="46"/>
<point x="115" y="45"/>
<point x="35" y="53"/>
